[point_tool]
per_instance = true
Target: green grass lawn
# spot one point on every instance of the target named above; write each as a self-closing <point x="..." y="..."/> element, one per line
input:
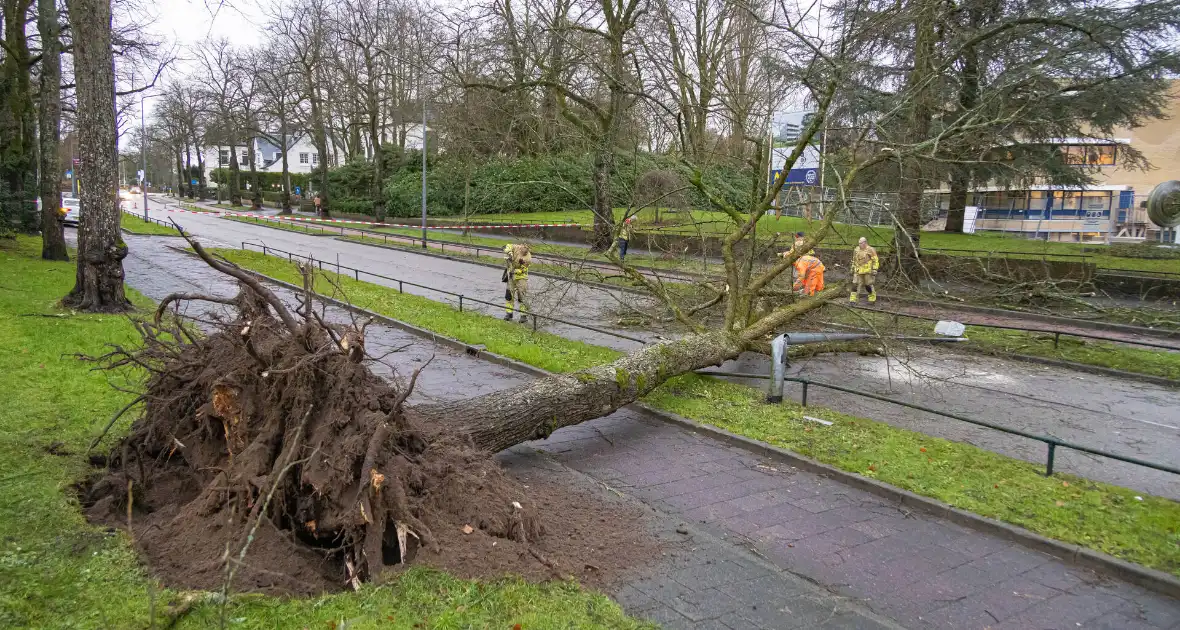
<point x="1000" y="342"/>
<point x="1092" y="514"/>
<point x="57" y="571"/>
<point x="195" y="208"/>
<point x="137" y="225"/>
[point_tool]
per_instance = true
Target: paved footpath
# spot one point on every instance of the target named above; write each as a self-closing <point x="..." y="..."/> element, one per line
<point x="770" y="546"/>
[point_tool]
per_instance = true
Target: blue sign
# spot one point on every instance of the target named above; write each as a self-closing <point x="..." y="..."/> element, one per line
<point x="194" y="182"/>
<point x="298" y="191"/>
<point x="799" y="177"/>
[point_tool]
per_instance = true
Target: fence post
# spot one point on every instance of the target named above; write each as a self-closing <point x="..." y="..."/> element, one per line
<point x="804" y="393"/>
<point x="399" y="287"/>
<point x="290" y="258"/>
<point x="1056" y="338"/>
<point x="357" y="273"/>
<point x="460" y="302"/>
<point x="1049" y="460"/>
<point x="534" y="322"/>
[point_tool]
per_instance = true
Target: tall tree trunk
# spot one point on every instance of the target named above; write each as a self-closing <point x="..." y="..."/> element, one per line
<point x="53" y="238"/>
<point x="235" y="181"/>
<point x="101" y="249"/>
<point x="377" y="192"/>
<point x="536" y="409"/>
<point x="188" y="171"/>
<point x="255" y="189"/>
<point x="17" y="125"/>
<point x="907" y="239"/>
<point x="181" y="178"/>
<point x="286" y="205"/>
<point x="604" y="218"/>
<point x="202" y="181"/>
<point x="968" y="99"/>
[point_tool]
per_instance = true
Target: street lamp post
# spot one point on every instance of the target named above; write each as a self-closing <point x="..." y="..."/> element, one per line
<point x="423" y="160"/>
<point x="143" y="149"/>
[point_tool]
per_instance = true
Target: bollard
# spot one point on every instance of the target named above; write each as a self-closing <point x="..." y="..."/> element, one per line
<point x="805" y="393"/>
<point x="357" y="273"/>
<point x="778" y="361"/>
<point x="399" y="287"/>
<point x="460" y="302"/>
<point x="1049" y="460"/>
<point x="1056" y="338"/>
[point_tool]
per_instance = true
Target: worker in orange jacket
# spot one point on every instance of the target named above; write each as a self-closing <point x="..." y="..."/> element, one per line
<point x="809" y="274"/>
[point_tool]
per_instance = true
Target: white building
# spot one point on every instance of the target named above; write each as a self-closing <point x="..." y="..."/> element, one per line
<point x="302" y="155"/>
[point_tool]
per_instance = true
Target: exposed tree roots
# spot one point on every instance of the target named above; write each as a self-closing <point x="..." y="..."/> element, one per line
<point x="273" y="421"/>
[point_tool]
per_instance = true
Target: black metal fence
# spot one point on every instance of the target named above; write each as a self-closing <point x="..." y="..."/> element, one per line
<point x="1051" y="442"/>
<point x="402" y="284"/>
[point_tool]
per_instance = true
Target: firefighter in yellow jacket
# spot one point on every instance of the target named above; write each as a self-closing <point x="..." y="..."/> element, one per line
<point x="864" y="269"/>
<point x="516" y="273"/>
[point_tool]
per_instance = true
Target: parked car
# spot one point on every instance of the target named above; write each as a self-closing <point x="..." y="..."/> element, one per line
<point x="73" y="208"/>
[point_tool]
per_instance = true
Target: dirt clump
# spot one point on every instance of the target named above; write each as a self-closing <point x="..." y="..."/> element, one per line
<point x="270" y="458"/>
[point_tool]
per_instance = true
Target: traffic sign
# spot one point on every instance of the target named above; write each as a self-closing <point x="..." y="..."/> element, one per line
<point x="297" y="190"/>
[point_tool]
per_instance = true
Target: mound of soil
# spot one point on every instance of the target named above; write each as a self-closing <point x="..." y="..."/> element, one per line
<point x="268" y="454"/>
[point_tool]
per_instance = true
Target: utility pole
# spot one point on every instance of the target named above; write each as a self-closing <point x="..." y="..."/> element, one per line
<point x="423" y="159"/>
<point x="143" y="149"/>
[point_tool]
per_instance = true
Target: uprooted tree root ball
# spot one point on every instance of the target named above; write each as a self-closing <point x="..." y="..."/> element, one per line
<point x="272" y="431"/>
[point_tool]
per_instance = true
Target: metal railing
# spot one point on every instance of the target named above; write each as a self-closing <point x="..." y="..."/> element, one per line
<point x="1051" y="442"/>
<point x="1053" y="331"/>
<point x="149" y="219"/>
<point x="402" y="284"/>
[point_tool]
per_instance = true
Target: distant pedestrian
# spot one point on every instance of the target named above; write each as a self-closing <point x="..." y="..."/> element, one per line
<point x="809" y="274"/>
<point x="864" y="269"/>
<point x="624" y="237"/>
<point x="516" y="273"/>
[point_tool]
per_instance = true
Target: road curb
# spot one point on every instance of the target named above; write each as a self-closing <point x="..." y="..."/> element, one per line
<point x="1145" y="577"/>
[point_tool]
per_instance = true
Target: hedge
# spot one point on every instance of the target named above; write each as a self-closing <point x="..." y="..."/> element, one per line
<point x="531" y="184"/>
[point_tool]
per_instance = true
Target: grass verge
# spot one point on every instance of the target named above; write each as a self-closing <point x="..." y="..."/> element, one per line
<point x="136" y="225"/>
<point x="57" y="571"/>
<point x="195" y="208"/>
<point x="1000" y="342"/>
<point x="1096" y="515"/>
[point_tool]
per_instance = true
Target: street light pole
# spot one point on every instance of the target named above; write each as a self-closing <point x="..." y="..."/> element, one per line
<point x="423" y="160"/>
<point x="143" y="149"/>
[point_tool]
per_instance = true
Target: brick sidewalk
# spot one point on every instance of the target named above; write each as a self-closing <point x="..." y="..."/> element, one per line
<point x="920" y="571"/>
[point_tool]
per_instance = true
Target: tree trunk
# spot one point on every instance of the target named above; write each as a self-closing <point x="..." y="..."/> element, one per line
<point x="378" y="157"/>
<point x="957" y="209"/>
<point x="604" y="218"/>
<point x="255" y="189"/>
<point x="180" y="177"/>
<point x="101" y="249"/>
<point x="202" y="182"/>
<point x="17" y="124"/>
<point x="968" y="100"/>
<point x="188" y="171"/>
<point x="536" y="409"/>
<point x="235" y="182"/>
<point x="286" y="205"/>
<point x="53" y="238"/>
<point x="907" y="239"/>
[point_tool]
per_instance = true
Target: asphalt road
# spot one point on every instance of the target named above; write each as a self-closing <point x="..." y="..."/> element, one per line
<point x="1116" y="415"/>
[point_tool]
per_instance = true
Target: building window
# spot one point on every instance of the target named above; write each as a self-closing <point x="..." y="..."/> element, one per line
<point x="315" y="158"/>
<point x="277" y="156"/>
<point x="223" y="158"/>
<point x="1090" y="154"/>
<point x="303" y="158"/>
